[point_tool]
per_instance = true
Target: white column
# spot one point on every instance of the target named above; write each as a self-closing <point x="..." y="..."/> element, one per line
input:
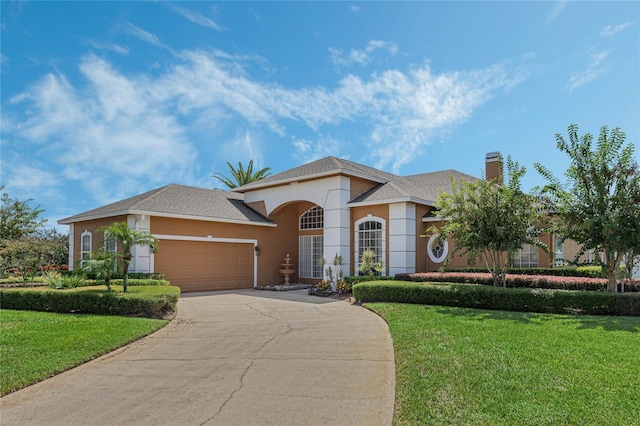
<point x="71" y="245"/>
<point x="337" y="225"/>
<point x="402" y="238"/>
<point x="141" y="256"/>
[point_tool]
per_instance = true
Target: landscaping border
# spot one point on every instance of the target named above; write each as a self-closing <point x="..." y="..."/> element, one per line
<point x="498" y="298"/>
<point x="89" y="302"/>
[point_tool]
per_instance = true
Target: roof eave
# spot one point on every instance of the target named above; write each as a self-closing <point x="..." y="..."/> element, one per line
<point x="308" y="177"/>
<point x="168" y="215"/>
<point x="392" y="201"/>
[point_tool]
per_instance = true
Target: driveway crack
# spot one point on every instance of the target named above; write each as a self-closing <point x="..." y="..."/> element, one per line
<point x="231" y="395"/>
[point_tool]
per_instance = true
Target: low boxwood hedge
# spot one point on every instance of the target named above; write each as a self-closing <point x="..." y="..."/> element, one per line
<point x="157" y="304"/>
<point x="589" y="271"/>
<point x="498" y="298"/>
<point x="550" y="282"/>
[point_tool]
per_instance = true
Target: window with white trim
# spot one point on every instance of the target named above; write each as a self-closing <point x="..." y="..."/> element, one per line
<point x="111" y="246"/>
<point x="85" y="247"/>
<point x="526" y="257"/>
<point x="437" y="251"/>
<point x="559" y="251"/>
<point x="311" y="248"/>
<point x="312" y="218"/>
<point x="370" y="235"/>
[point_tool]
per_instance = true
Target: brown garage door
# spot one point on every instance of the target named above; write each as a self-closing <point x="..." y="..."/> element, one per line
<point x="203" y="266"/>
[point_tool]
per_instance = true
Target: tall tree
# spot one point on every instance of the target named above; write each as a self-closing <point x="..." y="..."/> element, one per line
<point x="18" y="218"/>
<point x="599" y="205"/>
<point x="490" y="221"/>
<point x="240" y="176"/>
<point x="128" y="238"/>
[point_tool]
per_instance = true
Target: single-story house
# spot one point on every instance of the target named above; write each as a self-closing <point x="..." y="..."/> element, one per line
<point x="210" y="239"/>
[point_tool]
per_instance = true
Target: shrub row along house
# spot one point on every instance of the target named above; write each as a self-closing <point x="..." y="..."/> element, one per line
<point x="212" y="239"/>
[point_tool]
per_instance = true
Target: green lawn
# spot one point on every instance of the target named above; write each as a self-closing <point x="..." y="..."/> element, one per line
<point x="467" y="366"/>
<point x="37" y="345"/>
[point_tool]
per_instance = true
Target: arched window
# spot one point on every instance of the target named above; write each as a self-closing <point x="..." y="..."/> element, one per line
<point x="312" y="218"/>
<point x="111" y="246"/>
<point x="85" y="247"/>
<point x="370" y="235"/>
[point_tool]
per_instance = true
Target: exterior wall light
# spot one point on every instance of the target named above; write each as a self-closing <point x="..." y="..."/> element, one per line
<point x="257" y="250"/>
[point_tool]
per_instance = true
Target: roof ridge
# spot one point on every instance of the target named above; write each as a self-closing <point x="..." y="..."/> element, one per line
<point x="154" y="194"/>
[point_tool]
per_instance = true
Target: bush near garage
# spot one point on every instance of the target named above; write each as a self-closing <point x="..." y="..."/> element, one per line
<point x="149" y="302"/>
<point x="498" y="298"/>
<point x="522" y="281"/>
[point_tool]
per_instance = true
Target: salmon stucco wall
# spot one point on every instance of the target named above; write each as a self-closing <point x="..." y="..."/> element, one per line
<point x="97" y="237"/>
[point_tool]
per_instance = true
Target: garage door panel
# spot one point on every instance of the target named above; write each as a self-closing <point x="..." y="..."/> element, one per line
<point x="202" y="266"/>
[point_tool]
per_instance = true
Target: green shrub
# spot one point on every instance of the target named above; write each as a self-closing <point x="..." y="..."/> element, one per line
<point x="344" y="286"/>
<point x="100" y="302"/>
<point x="354" y="279"/>
<point x="498" y="298"/>
<point x="587" y="271"/>
<point x="58" y="281"/>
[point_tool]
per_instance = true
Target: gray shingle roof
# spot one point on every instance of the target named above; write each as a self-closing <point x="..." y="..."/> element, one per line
<point x="180" y="201"/>
<point x="422" y="187"/>
<point x="323" y="167"/>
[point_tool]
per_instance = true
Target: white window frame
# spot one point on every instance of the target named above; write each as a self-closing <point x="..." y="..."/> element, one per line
<point x="526" y="251"/>
<point x="85" y="254"/>
<point x="309" y="254"/>
<point x="313" y="218"/>
<point x="114" y="250"/>
<point x="383" y="242"/>
<point x="430" y="249"/>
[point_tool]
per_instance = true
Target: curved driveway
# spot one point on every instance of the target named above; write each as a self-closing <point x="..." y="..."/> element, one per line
<point x="230" y="358"/>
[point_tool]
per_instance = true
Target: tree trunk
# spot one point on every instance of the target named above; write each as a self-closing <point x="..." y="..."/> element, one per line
<point x="125" y="271"/>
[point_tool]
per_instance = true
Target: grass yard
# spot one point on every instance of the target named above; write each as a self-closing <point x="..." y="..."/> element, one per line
<point x="37" y="345"/>
<point x="467" y="366"/>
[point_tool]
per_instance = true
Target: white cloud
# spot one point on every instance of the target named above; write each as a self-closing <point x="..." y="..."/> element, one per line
<point x="133" y="129"/>
<point x="306" y="151"/>
<point x="105" y="133"/>
<point x="611" y="30"/>
<point x="197" y="18"/>
<point x="143" y="35"/>
<point x="557" y="9"/>
<point x="354" y="8"/>
<point x="361" y="57"/>
<point x="24" y="179"/>
<point x="595" y="70"/>
<point x="117" y="48"/>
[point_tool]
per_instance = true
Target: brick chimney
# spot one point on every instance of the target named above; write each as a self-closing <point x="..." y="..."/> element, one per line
<point x="493" y="165"/>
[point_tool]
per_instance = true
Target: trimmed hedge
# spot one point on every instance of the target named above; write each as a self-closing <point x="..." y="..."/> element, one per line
<point x="354" y="279"/>
<point x="521" y="281"/>
<point x="498" y="298"/>
<point x="580" y="271"/>
<point x="92" y="302"/>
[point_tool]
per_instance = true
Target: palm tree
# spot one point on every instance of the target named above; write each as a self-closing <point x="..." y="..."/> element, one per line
<point x="102" y="264"/>
<point x="127" y="238"/>
<point x="242" y="176"/>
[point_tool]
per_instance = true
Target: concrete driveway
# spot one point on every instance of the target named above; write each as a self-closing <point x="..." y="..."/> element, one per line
<point x="246" y="357"/>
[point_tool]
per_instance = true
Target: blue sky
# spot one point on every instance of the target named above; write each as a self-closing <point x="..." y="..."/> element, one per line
<point x="105" y="100"/>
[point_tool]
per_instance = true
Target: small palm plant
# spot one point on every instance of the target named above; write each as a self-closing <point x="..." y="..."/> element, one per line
<point x="241" y="176"/>
<point x="102" y="264"/>
<point x="127" y="239"/>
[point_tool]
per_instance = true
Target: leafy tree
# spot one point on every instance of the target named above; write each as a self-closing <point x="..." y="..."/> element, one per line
<point x="490" y="220"/>
<point x="599" y="205"/>
<point x="240" y="176"/>
<point x="102" y="264"/>
<point x="128" y="238"/>
<point x="18" y="218"/>
<point x="24" y="256"/>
